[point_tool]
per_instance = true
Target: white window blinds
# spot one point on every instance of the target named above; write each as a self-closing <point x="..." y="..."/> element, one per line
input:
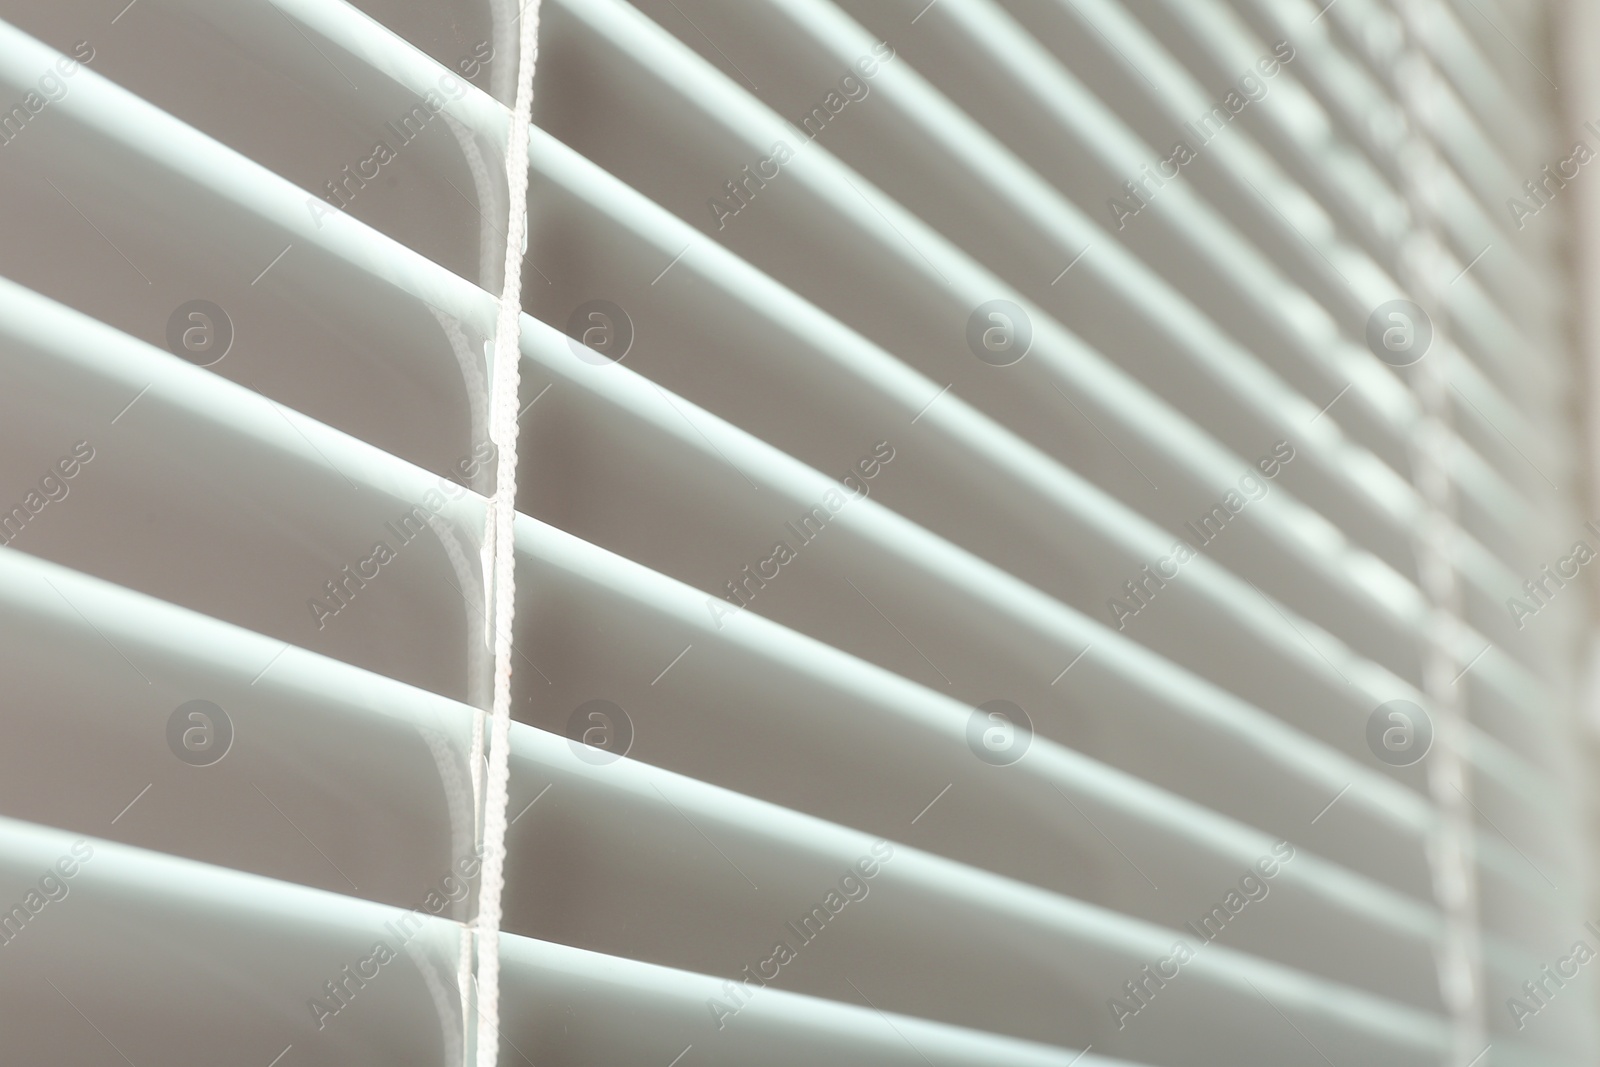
<point x="1049" y="531"/>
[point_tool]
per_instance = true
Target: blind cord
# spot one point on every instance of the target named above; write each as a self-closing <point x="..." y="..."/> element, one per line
<point x="500" y="533"/>
<point x="1451" y="852"/>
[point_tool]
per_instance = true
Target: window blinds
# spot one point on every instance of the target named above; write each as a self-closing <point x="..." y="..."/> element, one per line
<point x="971" y="551"/>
